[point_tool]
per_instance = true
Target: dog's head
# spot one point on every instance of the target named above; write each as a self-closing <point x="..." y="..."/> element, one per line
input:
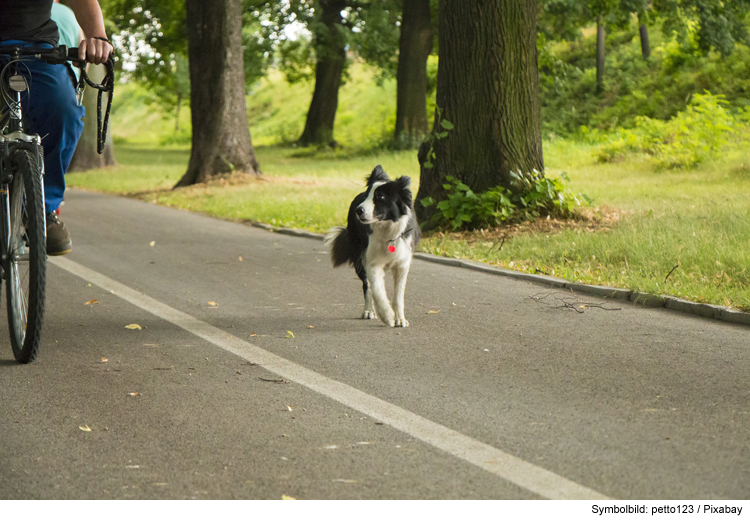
<point x="387" y="200"/>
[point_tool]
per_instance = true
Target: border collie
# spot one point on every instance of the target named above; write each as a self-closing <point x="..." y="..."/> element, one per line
<point x="381" y="234"/>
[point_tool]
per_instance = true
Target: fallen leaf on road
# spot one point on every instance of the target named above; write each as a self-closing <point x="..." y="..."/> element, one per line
<point x="331" y="447"/>
<point x="310" y="326"/>
<point x="287" y="497"/>
<point x="253" y="335"/>
<point x="650" y="410"/>
<point x="85" y="428"/>
<point x="212" y="303"/>
<point x="152" y="243"/>
<point x="347" y="481"/>
<point x="133" y="327"/>
<point x="289" y="408"/>
<point x="93" y="301"/>
<point x="290" y="334"/>
<point x="134" y="394"/>
<point x="104" y="360"/>
<point x="240" y="259"/>
<point x="433" y="311"/>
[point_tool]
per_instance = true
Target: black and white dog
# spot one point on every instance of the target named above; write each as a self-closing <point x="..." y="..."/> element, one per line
<point x="381" y="234"/>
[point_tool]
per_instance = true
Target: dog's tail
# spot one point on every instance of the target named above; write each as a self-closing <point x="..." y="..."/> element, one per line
<point x="337" y="240"/>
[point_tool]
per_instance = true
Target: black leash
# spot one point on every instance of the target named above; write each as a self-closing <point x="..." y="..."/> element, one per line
<point x="107" y="85"/>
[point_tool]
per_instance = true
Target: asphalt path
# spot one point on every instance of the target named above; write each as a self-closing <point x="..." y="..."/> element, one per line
<point x="252" y="377"/>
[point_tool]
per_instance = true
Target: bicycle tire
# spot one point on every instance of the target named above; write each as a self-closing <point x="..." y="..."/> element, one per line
<point x="27" y="257"/>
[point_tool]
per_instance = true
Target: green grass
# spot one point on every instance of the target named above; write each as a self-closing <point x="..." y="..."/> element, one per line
<point x="696" y="219"/>
<point x="311" y="192"/>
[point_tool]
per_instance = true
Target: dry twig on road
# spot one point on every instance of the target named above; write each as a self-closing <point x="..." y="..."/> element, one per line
<point x="568" y="301"/>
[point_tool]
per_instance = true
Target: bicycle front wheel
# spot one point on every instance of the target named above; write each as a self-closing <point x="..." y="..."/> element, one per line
<point x="27" y="257"/>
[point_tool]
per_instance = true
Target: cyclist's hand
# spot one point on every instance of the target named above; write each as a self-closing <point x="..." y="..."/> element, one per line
<point x="94" y="50"/>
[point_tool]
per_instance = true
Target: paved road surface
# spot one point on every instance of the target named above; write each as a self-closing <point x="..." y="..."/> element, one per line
<point x="489" y="394"/>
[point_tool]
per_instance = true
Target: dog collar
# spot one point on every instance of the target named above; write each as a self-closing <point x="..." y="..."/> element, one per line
<point x="392" y="243"/>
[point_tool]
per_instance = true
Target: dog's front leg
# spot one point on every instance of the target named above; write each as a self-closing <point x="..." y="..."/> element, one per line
<point x="376" y="278"/>
<point x="369" y="312"/>
<point x="399" y="286"/>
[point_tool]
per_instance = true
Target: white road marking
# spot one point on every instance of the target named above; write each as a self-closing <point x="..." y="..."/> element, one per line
<point x="521" y="473"/>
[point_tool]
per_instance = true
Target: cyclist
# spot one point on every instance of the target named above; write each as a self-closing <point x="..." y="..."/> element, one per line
<point x="54" y="113"/>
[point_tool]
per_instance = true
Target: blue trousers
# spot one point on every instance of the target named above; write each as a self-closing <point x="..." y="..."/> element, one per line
<point x="50" y="109"/>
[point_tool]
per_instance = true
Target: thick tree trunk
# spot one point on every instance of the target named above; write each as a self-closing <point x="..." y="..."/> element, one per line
<point x="221" y="137"/>
<point x="488" y="89"/>
<point x="415" y="45"/>
<point x="177" y="113"/>
<point x="85" y="156"/>
<point x="645" y="45"/>
<point x="330" y="50"/>
<point x="600" y="37"/>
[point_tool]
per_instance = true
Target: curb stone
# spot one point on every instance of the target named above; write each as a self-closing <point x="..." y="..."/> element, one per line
<point x="648" y="300"/>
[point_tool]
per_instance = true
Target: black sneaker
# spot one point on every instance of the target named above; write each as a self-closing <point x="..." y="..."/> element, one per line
<point x="58" y="236"/>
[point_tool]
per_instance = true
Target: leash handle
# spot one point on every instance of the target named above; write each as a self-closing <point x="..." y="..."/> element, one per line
<point x="107" y="85"/>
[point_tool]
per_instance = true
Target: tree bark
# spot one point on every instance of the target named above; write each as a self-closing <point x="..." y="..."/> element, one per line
<point x="221" y="138"/>
<point x="330" y="51"/>
<point x="415" y="45"/>
<point x="645" y="45"/>
<point x="488" y="89"/>
<point x="85" y="157"/>
<point x="600" y="37"/>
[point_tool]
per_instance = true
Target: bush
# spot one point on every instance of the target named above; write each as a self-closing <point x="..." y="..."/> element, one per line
<point x="699" y="132"/>
<point x="534" y="195"/>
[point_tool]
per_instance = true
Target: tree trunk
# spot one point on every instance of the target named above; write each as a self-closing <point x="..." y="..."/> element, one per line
<point x="645" y="45"/>
<point x="600" y="36"/>
<point x="177" y="113"/>
<point x="415" y="45"/>
<point x="488" y="89"/>
<point x="85" y="157"/>
<point x="330" y="50"/>
<point x="221" y="137"/>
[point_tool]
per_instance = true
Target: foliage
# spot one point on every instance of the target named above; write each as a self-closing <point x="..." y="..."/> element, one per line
<point x="720" y="24"/>
<point x="436" y="135"/>
<point x="534" y="195"/>
<point x="658" y="88"/>
<point x="375" y="36"/>
<point x="694" y="135"/>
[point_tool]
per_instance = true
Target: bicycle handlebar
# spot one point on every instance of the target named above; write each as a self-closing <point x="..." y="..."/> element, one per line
<point x="56" y="55"/>
<point x="63" y="54"/>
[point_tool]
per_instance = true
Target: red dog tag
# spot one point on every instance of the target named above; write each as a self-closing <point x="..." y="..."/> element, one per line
<point x="391" y="248"/>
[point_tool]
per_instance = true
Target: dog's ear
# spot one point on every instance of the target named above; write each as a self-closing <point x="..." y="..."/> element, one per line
<point x="378" y="174"/>
<point x="404" y="182"/>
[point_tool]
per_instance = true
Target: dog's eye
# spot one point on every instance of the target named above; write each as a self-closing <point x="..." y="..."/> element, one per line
<point x="379" y="197"/>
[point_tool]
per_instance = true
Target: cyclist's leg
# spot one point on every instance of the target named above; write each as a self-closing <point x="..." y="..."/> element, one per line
<point x="55" y="115"/>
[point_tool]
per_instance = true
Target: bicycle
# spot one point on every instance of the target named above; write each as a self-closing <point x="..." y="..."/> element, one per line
<point x="23" y="254"/>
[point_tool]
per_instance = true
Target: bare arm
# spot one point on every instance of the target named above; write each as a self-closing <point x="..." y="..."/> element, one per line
<point x="89" y="16"/>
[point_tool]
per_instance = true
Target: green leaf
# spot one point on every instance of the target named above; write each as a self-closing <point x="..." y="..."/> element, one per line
<point x="427" y="202"/>
<point x="446" y="124"/>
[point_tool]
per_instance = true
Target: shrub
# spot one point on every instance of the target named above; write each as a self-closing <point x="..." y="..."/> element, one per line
<point x="534" y="195"/>
<point x="699" y="132"/>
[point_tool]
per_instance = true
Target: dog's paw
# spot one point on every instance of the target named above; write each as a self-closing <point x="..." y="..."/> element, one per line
<point x="390" y="321"/>
<point x="401" y="322"/>
<point x="369" y="315"/>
